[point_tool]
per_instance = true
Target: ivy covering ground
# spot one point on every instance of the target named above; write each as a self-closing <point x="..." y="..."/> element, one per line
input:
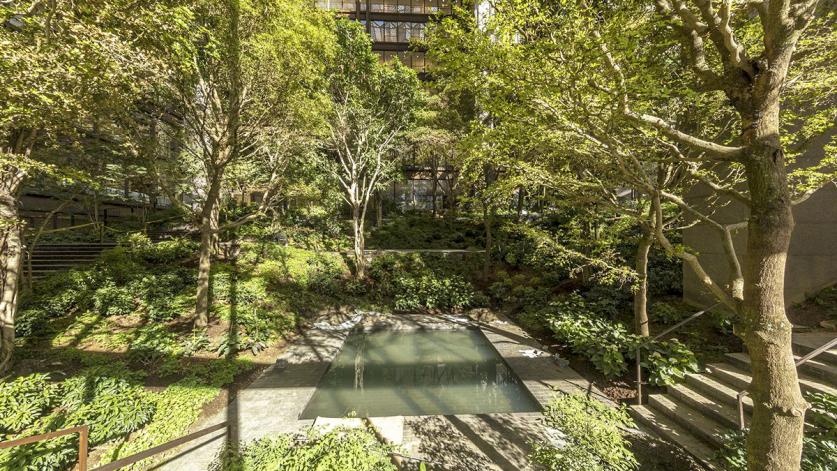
<point x="139" y="376"/>
<point x="338" y="449"/>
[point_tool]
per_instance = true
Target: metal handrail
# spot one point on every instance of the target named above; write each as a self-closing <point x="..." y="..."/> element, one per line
<point x="744" y="393"/>
<point x="84" y="433"/>
<point x="657" y="337"/>
<point x="82" y="430"/>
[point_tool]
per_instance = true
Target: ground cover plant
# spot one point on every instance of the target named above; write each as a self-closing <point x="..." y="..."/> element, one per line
<point x="418" y="231"/>
<point x="588" y="436"/>
<point x="587" y="330"/>
<point x="819" y="445"/>
<point x="112" y="344"/>
<point x="425" y="282"/>
<point x="340" y="448"/>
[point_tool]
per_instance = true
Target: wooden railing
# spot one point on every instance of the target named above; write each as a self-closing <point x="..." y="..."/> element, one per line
<point x="84" y="432"/>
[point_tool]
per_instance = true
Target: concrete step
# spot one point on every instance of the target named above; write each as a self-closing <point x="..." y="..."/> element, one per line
<point x="812" y="369"/>
<point x="717" y="390"/>
<point x="701" y="426"/>
<point x="728" y="374"/>
<point x="672" y="432"/>
<point x="721" y="412"/>
<point x="807" y="342"/>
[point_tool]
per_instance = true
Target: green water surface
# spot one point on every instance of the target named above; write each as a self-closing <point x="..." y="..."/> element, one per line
<point x="425" y="372"/>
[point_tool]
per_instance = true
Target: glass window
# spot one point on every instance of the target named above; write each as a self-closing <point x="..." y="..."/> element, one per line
<point x="377" y="5"/>
<point x="417" y="31"/>
<point x="403" y="6"/>
<point x="391" y="31"/>
<point x="378" y="31"/>
<point x="390" y="6"/>
<point x="418" y="6"/>
<point x="404" y="30"/>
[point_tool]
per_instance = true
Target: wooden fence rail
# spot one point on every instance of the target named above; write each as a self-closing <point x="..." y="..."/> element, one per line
<point x="84" y="432"/>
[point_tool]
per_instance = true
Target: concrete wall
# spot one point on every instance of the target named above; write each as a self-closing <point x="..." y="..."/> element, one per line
<point x="812" y="257"/>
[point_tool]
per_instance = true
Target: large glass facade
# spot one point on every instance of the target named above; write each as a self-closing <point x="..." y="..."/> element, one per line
<point x="411" y="6"/>
<point x="416" y="60"/>
<point x="396" y="31"/>
<point x="393" y="24"/>
<point x="428" y="7"/>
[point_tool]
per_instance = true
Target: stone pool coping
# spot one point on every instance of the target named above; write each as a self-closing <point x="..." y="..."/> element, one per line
<point x="273" y="403"/>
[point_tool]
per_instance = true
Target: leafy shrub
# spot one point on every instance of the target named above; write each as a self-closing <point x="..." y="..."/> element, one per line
<point x="155" y="345"/>
<point x="176" y="408"/>
<point x="668" y="362"/>
<point x="114" y="414"/>
<point x="603" y="342"/>
<point x="414" y="284"/>
<point x="195" y="342"/>
<point x="119" y="265"/>
<point x="158" y="293"/>
<point x="823" y="412"/>
<point x="819" y="445"/>
<point x="423" y="232"/>
<point x="31" y="322"/>
<point x="134" y="242"/>
<point x="519" y="289"/>
<point x="818" y="452"/>
<point x="25" y="400"/>
<point x="323" y="274"/>
<point x="430" y="292"/>
<point x="353" y="449"/>
<point x="167" y="251"/>
<point x="589" y="436"/>
<point x="111" y="300"/>
<point x="107" y="398"/>
<point x="665" y="274"/>
<point x="607" y="344"/>
<point x="665" y="313"/>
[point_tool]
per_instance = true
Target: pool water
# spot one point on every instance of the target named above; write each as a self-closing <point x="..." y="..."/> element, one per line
<point x="425" y="372"/>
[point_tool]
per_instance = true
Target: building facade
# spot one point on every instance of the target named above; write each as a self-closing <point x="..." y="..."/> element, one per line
<point x="394" y="25"/>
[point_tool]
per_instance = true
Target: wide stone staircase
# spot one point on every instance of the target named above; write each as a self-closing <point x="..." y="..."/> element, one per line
<point x="695" y="414"/>
<point x="51" y="258"/>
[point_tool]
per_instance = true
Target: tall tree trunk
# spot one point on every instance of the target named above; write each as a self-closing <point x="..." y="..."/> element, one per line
<point x="488" y="221"/>
<point x="214" y="225"/>
<point x="359" y="242"/>
<point x="202" y="303"/>
<point x="434" y="185"/>
<point x="521" y="194"/>
<point x="11" y="251"/>
<point x="225" y="153"/>
<point x="379" y="209"/>
<point x="775" y="438"/>
<point x="641" y="294"/>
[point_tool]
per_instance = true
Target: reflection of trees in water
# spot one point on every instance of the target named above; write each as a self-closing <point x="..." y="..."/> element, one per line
<point x="359" y="363"/>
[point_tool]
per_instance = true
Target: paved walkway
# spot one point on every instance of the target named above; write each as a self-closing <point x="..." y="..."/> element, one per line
<point x="272" y="404"/>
